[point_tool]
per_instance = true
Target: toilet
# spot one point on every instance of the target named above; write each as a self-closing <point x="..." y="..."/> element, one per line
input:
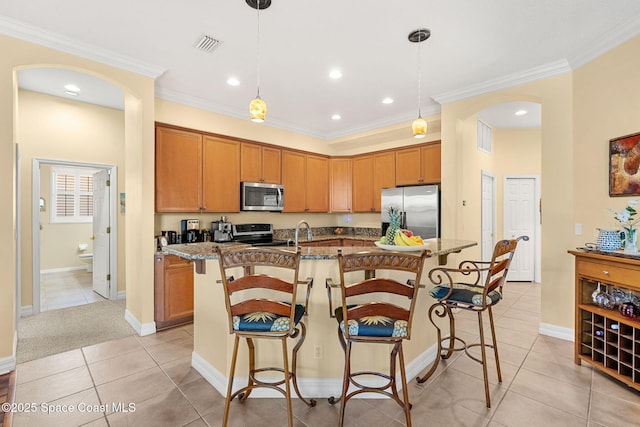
<point x="87" y="259"/>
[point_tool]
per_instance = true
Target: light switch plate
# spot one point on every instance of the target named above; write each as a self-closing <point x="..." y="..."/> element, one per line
<point x="578" y="229"/>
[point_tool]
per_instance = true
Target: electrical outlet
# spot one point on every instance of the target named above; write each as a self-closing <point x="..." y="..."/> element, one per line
<point x="317" y="352"/>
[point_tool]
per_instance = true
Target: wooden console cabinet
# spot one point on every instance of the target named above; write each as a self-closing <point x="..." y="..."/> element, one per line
<point x="604" y="338"/>
<point x="173" y="291"/>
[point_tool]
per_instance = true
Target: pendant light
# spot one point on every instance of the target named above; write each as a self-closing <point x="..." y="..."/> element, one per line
<point x="257" y="107"/>
<point x="419" y="125"/>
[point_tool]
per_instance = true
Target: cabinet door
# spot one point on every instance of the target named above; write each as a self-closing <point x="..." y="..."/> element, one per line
<point x="271" y="171"/>
<point x="178" y="183"/>
<point x="384" y="176"/>
<point x="178" y="302"/>
<point x="363" y="190"/>
<point x="317" y="177"/>
<point x="251" y="163"/>
<point x="431" y="163"/>
<point x="408" y="166"/>
<point x="221" y="175"/>
<point x="293" y="180"/>
<point x="340" y="185"/>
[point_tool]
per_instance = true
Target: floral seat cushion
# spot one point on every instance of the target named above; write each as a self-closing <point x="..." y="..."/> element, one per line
<point x="466" y="294"/>
<point x="373" y="326"/>
<point x="266" y="322"/>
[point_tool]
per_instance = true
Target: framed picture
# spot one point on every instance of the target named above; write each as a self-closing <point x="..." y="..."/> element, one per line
<point x="624" y="163"/>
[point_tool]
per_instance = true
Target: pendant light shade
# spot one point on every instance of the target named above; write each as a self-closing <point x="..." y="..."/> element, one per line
<point x="419" y="125"/>
<point x="257" y="107"/>
<point x="257" y="110"/>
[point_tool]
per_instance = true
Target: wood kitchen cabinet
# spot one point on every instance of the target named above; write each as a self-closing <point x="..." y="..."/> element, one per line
<point x="221" y="175"/>
<point x="173" y="290"/>
<point x="341" y="185"/>
<point x="259" y="163"/>
<point x="196" y="172"/>
<point x="305" y="178"/>
<point x="604" y="338"/>
<point x="418" y="165"/>
<point x="372" y="173"/>
<point x="178" y="170"/>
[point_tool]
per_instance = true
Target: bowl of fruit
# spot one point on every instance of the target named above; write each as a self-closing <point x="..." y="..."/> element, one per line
<point x="403" y="240"/>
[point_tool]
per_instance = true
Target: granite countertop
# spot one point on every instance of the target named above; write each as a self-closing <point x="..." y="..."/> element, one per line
<point x="205" y="250"/>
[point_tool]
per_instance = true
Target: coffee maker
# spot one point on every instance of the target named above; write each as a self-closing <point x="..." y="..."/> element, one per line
<point x="190" y="229"/>
<point x="221" y="231"/>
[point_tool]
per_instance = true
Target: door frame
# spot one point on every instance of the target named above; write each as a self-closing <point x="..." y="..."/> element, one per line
<point x="537" y="226"/>
<point x="35" y="225"/>
<point x="494" y="211"/>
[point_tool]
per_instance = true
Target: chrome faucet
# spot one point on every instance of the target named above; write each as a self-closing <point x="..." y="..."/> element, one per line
<point x="309" y="235"/>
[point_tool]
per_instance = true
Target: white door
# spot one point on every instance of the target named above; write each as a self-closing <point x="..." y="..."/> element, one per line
<point x="488" y="215"/>
<point x="519" y="219"/>
<point x="101" y="230"/>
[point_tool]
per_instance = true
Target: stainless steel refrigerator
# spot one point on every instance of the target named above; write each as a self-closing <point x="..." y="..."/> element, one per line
<point x="420" y="207"/>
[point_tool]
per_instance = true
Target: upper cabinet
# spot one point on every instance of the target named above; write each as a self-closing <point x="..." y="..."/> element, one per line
<point x="259" y="163"/>
<point x="305" y="178"/>
<point x="196" y="172"/>
<point x="178" y="170"/>
<point x="340" y="184"/>
<point x="221" y="175"/>
<point x="372" y="173"/>
<point x="418" y="165"/>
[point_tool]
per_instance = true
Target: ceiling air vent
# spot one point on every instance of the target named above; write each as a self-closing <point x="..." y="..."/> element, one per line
<point x="207" y="43"/>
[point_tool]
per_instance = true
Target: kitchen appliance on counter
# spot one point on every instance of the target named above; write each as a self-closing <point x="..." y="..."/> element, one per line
<point x="256" y="235"/>
<point x="256" y="196"/>
<point x="221" y="231"/>
<point x="190" y="229"/>
<point x="420" y="208"/>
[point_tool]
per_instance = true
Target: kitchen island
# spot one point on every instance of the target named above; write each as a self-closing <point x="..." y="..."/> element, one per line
<point x="321" y="359"/>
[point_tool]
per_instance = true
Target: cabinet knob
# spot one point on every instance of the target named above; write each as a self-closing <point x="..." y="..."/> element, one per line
<point x="605" y="272"/>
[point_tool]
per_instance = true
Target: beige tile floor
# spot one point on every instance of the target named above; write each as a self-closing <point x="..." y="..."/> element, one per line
<point x="67" y="289"/>
<point x="541" y="385"/>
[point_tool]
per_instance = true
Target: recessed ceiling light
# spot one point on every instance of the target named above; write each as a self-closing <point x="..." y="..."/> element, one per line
<point x="387" y="100"/>
<point x="72" y="88"/>
<point x="521" y="112"/>
<point x="335" y="74"/>
<point x="232" y="81"/>
<point x="336" y="117"/>
<point x="68" y="92"/>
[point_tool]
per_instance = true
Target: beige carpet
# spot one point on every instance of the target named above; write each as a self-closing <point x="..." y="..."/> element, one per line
<point x="57" y="331"/>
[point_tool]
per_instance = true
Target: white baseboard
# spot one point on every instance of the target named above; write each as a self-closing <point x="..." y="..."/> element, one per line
<point x="554" y="331"/>
<point x="8" y="364"/>
<point x="140" y="328"/>
<point x="26" y="310"/>
<point x="121" y="295"/>
<point x="63" y="269"/>
<point x="311" y="387"/>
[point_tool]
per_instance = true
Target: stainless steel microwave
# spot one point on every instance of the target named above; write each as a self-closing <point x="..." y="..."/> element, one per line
<point x="256" y="196"/>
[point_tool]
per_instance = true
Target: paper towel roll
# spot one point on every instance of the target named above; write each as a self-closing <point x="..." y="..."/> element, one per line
<point x="83" y="246"/>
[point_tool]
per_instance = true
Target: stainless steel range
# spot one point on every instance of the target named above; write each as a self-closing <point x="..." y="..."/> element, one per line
<point x="256" y="235"/>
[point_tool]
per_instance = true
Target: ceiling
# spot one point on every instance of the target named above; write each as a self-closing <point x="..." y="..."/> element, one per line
<point x="475" y="47"/>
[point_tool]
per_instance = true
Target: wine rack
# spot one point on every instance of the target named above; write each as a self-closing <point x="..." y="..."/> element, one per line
<point x="604" y="338"/>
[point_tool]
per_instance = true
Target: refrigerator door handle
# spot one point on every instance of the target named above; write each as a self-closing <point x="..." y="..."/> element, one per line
<point x="403" y="220"/>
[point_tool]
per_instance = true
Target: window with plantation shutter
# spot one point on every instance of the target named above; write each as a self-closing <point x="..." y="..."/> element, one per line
<point x="485" y="136"/>
<point x="72" y="195"/>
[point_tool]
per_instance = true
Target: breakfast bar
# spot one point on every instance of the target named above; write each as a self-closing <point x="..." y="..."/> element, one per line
<point x="321" y="359"/>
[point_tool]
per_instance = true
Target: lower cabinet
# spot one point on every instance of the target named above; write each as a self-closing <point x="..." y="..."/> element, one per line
<point x="173" y="291"/>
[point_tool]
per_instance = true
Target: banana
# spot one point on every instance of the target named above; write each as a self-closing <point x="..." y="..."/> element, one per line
<point x="397" y="239"/>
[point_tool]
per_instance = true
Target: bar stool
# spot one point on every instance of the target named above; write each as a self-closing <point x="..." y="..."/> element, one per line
<point x="479" y="292"/>
<point x="254" y="315"/>
<point x="383" y="320"/>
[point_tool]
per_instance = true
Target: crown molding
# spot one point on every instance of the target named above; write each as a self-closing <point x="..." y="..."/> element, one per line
<point x="510" y="80"/>
<point x="606" y="42"/>
<point x="20" y="30"/>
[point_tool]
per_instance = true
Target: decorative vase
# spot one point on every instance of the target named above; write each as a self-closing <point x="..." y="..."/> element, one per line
<point x="631" y="240"/>
<point x="608" y="240"/>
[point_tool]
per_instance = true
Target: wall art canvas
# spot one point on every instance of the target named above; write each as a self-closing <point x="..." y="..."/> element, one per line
<point x="624" y="164"/>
